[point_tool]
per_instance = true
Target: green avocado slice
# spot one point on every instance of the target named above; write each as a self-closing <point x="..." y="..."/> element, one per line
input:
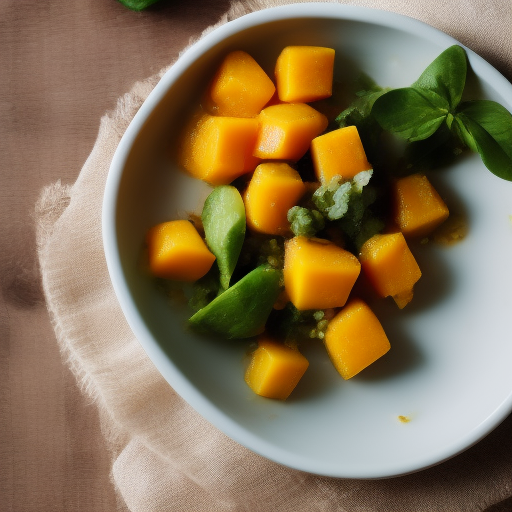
<point x="223" y="220"/>
<point x="242" y="310"/>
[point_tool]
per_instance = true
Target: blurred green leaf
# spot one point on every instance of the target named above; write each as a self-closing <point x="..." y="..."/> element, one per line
<point x="137" y="5"/>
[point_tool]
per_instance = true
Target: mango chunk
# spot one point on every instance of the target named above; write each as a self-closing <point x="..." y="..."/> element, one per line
<point x="339" y="153"/>
<point x="354" y="339"/>
<point x="218" y="149"/>
<point x="275" y="369"/>
<point x="390" y="267"/>
<point x="317" y="273"/>
<point x="177" y="251"/>
<point x="286" y="131"/>
<point x="240" y="88"/>
<point x="274" y="188"/>
<point x="304" y="73"/>
<point x="418" y="207"/>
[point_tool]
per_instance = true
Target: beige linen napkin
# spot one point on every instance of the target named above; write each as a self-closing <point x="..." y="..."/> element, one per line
<point x="165" y="457"/>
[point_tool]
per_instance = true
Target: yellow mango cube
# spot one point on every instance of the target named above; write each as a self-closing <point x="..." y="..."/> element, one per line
<point x="317" y="273"/>
<point x="418" y="207"/>
<point x="286" y="131"/>
<point x="390" y="267"/>
<point x="177" y="251"/>
<point x="274" y="188"/>
<point x="240" y="88"/>
<point x="275" y="369"/>
<point x="218" y="149"/>
<point x="304" y="73"/>
<point x="339" y="153"/>
<point x="354" y="339"/>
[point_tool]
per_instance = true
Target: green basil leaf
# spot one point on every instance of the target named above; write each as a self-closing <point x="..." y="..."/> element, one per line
<point x="460" y="127"/>
<point x="486" y="126"/>
<point x="446" y="75"/>
<point x="364" y="84"/>
<point x="411" y="112"/>
<point x="366" y="91"/>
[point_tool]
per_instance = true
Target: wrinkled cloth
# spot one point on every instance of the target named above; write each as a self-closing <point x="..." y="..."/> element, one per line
<point x="165" y="456"/>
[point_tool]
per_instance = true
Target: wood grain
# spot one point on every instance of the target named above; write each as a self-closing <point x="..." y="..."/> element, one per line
<point x="63" y="64"/>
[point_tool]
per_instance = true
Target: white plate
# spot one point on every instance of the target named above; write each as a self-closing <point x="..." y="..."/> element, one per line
<point x="449" y="366"/>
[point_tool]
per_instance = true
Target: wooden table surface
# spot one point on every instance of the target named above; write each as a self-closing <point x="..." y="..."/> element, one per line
<point x="63" y="64"/>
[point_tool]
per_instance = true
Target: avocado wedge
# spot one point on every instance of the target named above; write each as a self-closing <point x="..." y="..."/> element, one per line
<point x="242" y="310"/>
<point x="224" y="223"/>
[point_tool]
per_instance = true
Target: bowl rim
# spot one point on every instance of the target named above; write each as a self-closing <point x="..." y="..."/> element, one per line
<point x="165" y="366"/>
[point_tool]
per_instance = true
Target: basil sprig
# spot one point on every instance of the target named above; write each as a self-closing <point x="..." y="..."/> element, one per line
<point x="486" y="126"/>
<point x="446" y="75"/>
<point x="412" y="112"/>
<point x="417" y="112"/>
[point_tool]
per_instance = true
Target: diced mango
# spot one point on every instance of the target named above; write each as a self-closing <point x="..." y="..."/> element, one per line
<point x="304" y="73"/>
<point x="240" y="88"/>
<point x="286" y="131"/>
<point x="418" y="208"/>
<point x="390" y="266"/>
<point x="317" y="273"/>
<point x="218" y="149"/>
<point x="177" y="251"/>
<point x="339" y="153"/>
<point x="274" y="188"/>
<point x="275" y="369"/>
<point x="355" y="339"/>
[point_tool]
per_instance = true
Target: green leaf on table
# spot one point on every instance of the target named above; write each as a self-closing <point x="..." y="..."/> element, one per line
<point x="137" y="5"/>
<point x="446" y="75"/>
<point x="486" y="127"/>
<point x="410" y="112"/>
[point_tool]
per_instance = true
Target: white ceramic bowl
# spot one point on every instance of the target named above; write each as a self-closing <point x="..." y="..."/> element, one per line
<point x="449" y="366"/>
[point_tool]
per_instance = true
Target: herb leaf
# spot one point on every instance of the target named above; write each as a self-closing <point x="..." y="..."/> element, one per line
<point x="360" y="109"/>
<point x="446" y="75"/>
<point x="411" y="112"/>
<point x="486" y="126"/>
<point x="367" y="91"/>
